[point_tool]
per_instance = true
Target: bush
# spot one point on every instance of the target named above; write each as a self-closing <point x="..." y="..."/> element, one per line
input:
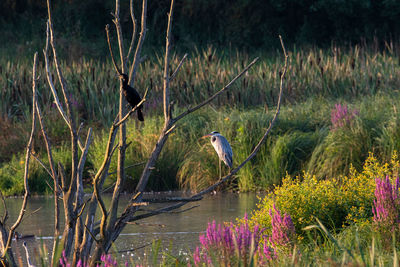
<point x="335" y="202"/>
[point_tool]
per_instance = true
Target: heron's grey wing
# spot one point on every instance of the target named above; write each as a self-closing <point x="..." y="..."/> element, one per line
<point x="224" y="150"/>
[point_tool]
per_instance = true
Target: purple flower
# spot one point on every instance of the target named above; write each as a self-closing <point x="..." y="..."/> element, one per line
<point x="64" y="260"/>
<point x="226" y="242"/>
<point x="283" y="232"/>
<point x="108" y="261"/>
<point x="386" y="203"/>
<point x="342" y="116"/>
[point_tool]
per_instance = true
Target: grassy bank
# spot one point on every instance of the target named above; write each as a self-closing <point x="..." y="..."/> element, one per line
<point x="308" y="136"/>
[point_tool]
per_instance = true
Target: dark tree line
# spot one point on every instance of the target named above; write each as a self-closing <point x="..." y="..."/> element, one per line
<point x="244" y="23"/>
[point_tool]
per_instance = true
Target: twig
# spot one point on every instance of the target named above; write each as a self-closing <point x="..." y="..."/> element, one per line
<point x="177" y="68"/>
<point x="136" y="58"/>
<point x="79" y="139"/>
<point x="27" y="160"/>
<point x="50" y="80"/>
<point x="133" y="29"/>
<point x="42" y="164"/>
<point x="91" y="234"/>
<point x="166" y="102"/>
<point x="163" y="210"/>
<point x="147" y="224"/>
<point x="111" y="52"/>
<point x="5" y="215"/>
<point x="172" y="199"/>
<point x="30" y="214"/>
<point x="205" y="102"/>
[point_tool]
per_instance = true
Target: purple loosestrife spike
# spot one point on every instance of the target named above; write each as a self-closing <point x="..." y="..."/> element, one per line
<point x="342" y="116"/>
<point x="386" y="203"/>
<point x="223" y="240"/>
<point x="196" y="257"/>
<point x="283" y="231"/>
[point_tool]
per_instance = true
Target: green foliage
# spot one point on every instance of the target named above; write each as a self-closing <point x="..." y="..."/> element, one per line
<point x="336" y="202"/>
<point x="12" y="173"/>
<point x="289" y="154"/>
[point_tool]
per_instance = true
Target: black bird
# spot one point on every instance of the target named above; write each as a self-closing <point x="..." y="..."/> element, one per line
<point x="131" y="95"/>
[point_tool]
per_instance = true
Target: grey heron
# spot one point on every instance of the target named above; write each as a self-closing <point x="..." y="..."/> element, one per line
<point x="223" y="149"/>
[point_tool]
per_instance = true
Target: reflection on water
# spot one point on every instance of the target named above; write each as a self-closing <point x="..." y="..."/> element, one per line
<point x="181" y="229"/>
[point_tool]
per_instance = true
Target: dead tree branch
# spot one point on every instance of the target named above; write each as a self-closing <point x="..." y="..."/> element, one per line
<point x="7" y="248"/>
<point x="133" y="29"/>
<point x="137" y="57"/>
<point x="178" y="68"/>
<point x="205" y="102"/>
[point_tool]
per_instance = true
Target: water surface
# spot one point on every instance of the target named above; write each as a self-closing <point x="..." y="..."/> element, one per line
<point x="177" y="230"/>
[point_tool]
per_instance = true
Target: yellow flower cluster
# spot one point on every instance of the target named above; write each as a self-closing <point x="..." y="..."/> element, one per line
<point x="336" y="202"/>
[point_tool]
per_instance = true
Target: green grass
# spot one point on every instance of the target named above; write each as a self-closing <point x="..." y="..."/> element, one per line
<point x="302" y="139"/>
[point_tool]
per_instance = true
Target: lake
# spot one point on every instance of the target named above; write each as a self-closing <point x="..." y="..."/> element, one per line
<point x="177" y="230"/>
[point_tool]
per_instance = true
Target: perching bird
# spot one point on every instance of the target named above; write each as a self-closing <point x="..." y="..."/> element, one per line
<point x="223" y="149"/>
<point x="131" y="95"/>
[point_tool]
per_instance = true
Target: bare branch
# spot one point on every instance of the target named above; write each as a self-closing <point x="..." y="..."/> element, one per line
<point x="85" y="151"/>
<point x="63" y="83"/>
<point x="171" y="199"/>
<point x="166" y="101"/>
<point x="133" y="29"/>
<point x="50" y="80"/>
<point x="79" y="140"/>
<point x="163" y="210"/>
<point x="147" y="224"/>
<point x="190" y="110"/>
<point x="47" y="142"/>
<point x="119" y="36"/>
<point x="42" y="164"/>
<point x="177" y="68"/>
<point x="111" y="52"/>
<point x="136" y="58"/>
<point x="27" y="160"/>
<point x="5" y="215"/>
<point x="91" y="234"/>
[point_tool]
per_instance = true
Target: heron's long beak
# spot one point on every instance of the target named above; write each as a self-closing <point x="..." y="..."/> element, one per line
<point x="207" y="135"/>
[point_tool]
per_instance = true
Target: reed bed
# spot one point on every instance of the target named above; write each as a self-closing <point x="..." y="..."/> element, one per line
<point x="332" y="73"/>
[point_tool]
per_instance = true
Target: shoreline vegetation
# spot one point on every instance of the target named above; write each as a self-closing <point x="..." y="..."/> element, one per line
<point x="331" y="94"/>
